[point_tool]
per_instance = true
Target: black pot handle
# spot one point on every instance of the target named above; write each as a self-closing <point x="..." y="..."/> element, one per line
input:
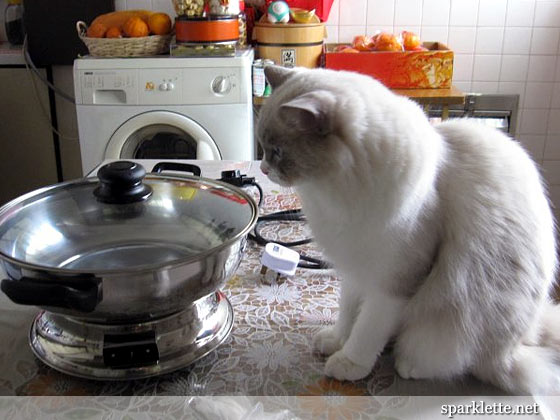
<point x="120" y="182"/>
<point x="83" y="295"/>
<point x="175" y="166"/>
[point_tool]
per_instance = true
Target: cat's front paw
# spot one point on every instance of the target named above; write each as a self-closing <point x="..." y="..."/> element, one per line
<point x="327" y="341"/>
<point x="342" y="368"/>
<point x="407" y="370"/>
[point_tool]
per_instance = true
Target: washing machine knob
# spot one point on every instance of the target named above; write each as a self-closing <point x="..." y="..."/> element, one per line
<point x="221" y="85"/>
<point x="163" y="86"/>
<point x="170" y="86"/>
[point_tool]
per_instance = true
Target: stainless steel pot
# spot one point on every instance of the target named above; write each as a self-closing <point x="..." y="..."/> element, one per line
<point x="124" y="246"/>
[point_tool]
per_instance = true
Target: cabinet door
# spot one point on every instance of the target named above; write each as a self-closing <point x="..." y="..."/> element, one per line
<point x="27" y="157"/>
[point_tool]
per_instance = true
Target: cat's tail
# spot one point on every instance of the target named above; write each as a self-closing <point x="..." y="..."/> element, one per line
<point x="530" y="369"/>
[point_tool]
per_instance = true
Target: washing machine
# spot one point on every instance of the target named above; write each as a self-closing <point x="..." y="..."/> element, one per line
<point x="164" y="108"/>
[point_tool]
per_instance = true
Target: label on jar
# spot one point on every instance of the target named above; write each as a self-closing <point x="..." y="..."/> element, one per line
<point x="259" y="79"/>
<point x="288" y="57"/>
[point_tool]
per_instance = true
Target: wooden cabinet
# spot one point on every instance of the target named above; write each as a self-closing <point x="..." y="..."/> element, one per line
<point x="27" y="155"/>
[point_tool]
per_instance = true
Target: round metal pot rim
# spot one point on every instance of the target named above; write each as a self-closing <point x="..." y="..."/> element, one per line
<point x="138" y="269"/>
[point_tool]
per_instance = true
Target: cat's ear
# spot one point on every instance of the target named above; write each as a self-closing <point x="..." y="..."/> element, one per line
<point x="276" y="75"/>
<point x="310" y="112"/>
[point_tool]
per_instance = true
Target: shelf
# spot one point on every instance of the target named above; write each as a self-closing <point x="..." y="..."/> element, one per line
<point x="452" y="96"/>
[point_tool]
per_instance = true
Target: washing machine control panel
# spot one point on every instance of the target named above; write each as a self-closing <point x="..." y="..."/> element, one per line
<point x="157" y="86"/>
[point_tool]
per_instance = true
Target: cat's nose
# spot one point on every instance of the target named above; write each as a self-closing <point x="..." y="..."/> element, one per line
<point x="264" y="168"/>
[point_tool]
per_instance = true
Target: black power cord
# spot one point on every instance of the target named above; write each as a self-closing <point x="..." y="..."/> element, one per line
<point x="234" y="177"/>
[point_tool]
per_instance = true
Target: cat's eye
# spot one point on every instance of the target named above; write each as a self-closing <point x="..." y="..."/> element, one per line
<point x="275" y="153"/>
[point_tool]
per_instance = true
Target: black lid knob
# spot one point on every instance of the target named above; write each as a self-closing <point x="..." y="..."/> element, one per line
<point x="120" y="182"/>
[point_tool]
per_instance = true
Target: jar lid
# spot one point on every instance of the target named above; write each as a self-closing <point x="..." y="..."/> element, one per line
<point x="14" y="1"/>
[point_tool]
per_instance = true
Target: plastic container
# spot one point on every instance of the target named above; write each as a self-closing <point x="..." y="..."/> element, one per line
<point x="430" y="69"/>
<point x="13" y="18"/>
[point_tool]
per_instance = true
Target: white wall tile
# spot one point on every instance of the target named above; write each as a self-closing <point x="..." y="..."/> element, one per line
<point x="347" y="33"/>
<point x="398" y="29"/>
<point x="484" y="87"/>
<point x="120" y="4"/>
<point x="555" y="103"/>
<point x="517" y="40"/>
<point x="139" y="4"/>
<point x="545" y="40"/>
<point x="462" y="67"/>
<point x="372" y="30"/>
<point x="534" y="145"/>
<point x="547" y="13"/>
<point x="554" y="196"/>
<point x="463" y="12"/>
<point x="486" y="68"/>
<point x="489" y="40"/>
<point x="380" y="12"/>
<point x="462" y="86"/>
<point x="533" y="121"/>
<point x="513" y="88"/>
<point x="408" y="12"/>
<point x="334" y="14"/>
<point x="514" y="68"/>
<point x="332" y="34"/>
<point x="538" y="94"/>
<point x="551" y="171"/>
<point x="434" y="33"/>
<point x="492" y="13"/>
<point x="462" y="39"/>
<point x="353" y="13"/>
<point x="520" y="12"/>
<point x="435" y="12"/>
<point x="554" y="122"/>
<point x="542" y="68"/>
<point x="552" y="147"/>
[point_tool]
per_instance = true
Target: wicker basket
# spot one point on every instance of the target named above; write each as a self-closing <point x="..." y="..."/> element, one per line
<point x="124" y="47"/>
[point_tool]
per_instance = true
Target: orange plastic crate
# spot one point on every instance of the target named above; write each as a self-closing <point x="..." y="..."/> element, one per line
<point x="432" y="69"/>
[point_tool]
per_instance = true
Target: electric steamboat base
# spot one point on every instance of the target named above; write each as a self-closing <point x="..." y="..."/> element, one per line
<point x="132" y="351"/>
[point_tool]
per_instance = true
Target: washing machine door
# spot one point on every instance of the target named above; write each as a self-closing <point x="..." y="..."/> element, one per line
<point x="161" y="135"/>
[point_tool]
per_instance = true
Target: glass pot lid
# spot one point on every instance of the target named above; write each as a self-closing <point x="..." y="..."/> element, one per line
<point x="123" y="220"/>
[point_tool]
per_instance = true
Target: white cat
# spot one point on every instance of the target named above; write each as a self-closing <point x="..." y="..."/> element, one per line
<point x="442" y="236"/>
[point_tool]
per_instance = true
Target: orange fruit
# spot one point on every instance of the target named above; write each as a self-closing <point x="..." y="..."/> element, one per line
<point x="362" y="43"/>
<point x="159" y="24"/>
<point x="96" y="30"/>
<point x="113" y="32"/>
<point x="410" y="40"/>
<point x="135" y="27"/>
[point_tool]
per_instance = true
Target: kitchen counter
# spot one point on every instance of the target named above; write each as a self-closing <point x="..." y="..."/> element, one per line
<point x="11" y="55"/>
<point x="268" y="352"/>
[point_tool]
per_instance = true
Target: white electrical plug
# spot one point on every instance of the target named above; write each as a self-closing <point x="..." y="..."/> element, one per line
<point x="278" y="260"/>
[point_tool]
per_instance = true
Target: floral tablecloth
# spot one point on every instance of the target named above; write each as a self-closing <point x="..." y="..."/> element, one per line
<point x="268" y="352"/>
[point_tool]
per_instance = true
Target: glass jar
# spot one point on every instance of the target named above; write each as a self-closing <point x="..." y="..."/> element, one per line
<point x="13" y="19"/>
<point x="242" y="25"/>
<point x="223" y="7"/>
<point x="189" y="8"/>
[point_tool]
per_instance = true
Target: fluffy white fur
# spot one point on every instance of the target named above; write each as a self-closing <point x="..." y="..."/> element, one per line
<point x="442" y="236"/>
